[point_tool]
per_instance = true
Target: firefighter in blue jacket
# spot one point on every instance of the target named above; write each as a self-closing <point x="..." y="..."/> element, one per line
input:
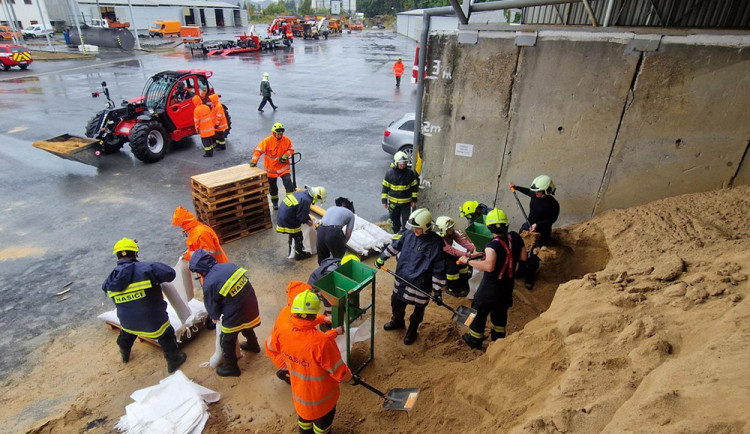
<point x="400" y="191"/>
<point x="141" y="309"/>
<point x="228" y="294"/>
<point x="421" y="262"/>
<point x="294" y="211"/>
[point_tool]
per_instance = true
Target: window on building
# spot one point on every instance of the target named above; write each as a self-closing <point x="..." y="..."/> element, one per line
<point x="27" y="2"/>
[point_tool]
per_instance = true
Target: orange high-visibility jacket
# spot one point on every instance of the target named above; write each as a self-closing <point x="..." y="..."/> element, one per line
<point x="200" y="236"/>
<point x="398" y="68"/>
<point x="273" y="150"/>
<point x="284" y="320"/>
<point x="218" y="114"/>
<point x="204" y="125"/>
<point x="315" y="367"/>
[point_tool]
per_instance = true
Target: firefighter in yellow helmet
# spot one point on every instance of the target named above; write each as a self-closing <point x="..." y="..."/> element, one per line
<point x="134" y="288"/>
<point x="277" y="151"/>
<point x="473" y="210"/>
<point x="495" y="294"/>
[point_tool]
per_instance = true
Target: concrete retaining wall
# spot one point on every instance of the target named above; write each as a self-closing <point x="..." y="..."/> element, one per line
<point x="612" y="125"/>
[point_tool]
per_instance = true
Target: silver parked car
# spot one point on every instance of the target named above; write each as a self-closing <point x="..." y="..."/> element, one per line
<point x="399" y="136"/>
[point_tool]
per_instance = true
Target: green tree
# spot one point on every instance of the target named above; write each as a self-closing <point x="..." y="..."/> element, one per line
<point x="305" y="7"/>
<point x="275" y="8"/>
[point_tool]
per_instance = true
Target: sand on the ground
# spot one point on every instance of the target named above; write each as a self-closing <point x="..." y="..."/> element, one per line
<point x="639" y="322"/>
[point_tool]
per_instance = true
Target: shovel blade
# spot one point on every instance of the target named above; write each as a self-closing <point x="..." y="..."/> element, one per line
<point x="401" y="399"/>
<point x="464" y="315"/>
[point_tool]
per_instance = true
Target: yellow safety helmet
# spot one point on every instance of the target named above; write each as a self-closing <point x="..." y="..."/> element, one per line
<point x="420" y="218"/>
<point x="469" y="208"/>
<point x="125" y="245"/>
<point x="496" y="217"/>
<point x="306" y="303"/>
<point x="348" y="258"/>
<point x="277" y="128"/>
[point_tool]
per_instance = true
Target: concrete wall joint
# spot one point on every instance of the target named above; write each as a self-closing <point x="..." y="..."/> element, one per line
<point x="629" y="98"/>
<point x="508" y="117"/>
<point x="739" y="166"/>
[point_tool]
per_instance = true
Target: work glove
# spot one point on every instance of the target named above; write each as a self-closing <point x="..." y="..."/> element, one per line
<point x="354" y="381"/>
<point x="438" y="297"/>
<point x="253" y="164"/>
<point x="283" y="159"/>
<point x="379" y="263"/>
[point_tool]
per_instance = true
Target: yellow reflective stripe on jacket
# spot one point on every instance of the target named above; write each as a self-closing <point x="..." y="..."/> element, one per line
<point x="290" y="200"/>
<point x="150" y="335"/>
<point x="232" y="282"/>
<point x="397" y="187"/>
<point x="284" y="230"/>
<point x="311" y="403"/>
<point x="399" y="200"/>
<point x="248" y="325"/>
<point x="307" y="377"/>
<point x="135" y="286"/>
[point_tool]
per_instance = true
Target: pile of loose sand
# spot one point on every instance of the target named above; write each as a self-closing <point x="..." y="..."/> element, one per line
<point x="639" y="322"/>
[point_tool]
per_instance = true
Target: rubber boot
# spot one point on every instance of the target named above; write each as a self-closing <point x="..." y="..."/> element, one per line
<point x="496" y="335"/>
<point x="283" y="375"/>
<point x="125" y="354"/>
<point x="229" y="368"/>
<point x="209" y="154"/>
<point x="472" y="342"/>
<point x="174" y="360"/>
<point x="394" y="324"/>
<point x="251" y="344"/>
<point x="411" y="334"/>
<point x="301" y="256"/>
<point x="275" y="204"/>
<point x="528" y="279"/>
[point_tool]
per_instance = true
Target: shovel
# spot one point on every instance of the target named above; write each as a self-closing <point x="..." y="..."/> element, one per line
<point x="523" y="211"/>
<point x="395" y="399"/>
<point x="463" y="315"/>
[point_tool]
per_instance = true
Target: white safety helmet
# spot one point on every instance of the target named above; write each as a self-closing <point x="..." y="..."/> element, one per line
<point x="319" y="194"/>
<point x="420" y="218"/>
<point x="543" y="183"/>
<point x="401" y="157"/>
<point x="443" y="223"/>
<point x="265" y="75"/>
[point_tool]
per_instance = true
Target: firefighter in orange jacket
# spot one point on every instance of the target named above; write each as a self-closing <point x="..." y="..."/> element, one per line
<point x="277" y="150"/>
<point x="283" y="322"/>
<point x="398" y="71"/>
<point x="221" y="124"/>
<point x="199" y="236"/>
<point x="315" y="365"/>
<point x="204" y="125"/>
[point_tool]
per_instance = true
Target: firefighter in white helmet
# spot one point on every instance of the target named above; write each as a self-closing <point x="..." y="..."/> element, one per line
<point x="400" y="191"/>
<point x="421" y="262"/>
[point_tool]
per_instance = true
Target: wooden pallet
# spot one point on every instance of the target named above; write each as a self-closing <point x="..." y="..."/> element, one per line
<point x="233" y="201"/>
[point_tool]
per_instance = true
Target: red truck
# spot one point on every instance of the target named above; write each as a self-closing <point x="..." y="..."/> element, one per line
<point x="14" y="55"/>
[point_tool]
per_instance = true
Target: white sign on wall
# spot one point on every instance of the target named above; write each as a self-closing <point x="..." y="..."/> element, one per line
<point x="335" y="7"/>
<point x="464" y="149"/>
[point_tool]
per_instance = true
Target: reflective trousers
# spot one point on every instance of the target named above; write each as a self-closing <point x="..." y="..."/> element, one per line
<point x="318" y="426"/>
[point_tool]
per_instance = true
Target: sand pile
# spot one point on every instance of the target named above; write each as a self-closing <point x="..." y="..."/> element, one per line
<point x="639" y="322"/>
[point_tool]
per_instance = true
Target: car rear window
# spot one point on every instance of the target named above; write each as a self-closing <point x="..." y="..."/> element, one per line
<point x="407" y="126"/>
<point x="17" y="50"/>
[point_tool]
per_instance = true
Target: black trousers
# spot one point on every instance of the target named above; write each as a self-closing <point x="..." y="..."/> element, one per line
<point x="228" y="342"/>
<point x="398" y="309"/>
<point x="399" y="215"/>
<point x="263" y="103"/>
<point x="317" y="426"/>
<point x="297" y="240"/>
<point x="497" y="310"/>
<point x="208" y="143"/>
<point x="167" y="340"/>
<point x="457" y="275"/>
<point x="398" y="81"/>
<point x="221" y="139"/>
<point x="273" y="187"/>
<point x="331" y="242"/>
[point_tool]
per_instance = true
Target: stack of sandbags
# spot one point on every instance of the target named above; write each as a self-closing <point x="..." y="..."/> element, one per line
<point x="176" y="405"/>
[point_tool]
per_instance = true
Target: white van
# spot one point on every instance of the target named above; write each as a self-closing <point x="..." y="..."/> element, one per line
<point x="37" y="31"/>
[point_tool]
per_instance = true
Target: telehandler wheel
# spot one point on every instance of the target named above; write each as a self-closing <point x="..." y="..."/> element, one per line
<point x="110" y="146"/>
<point x="149" y="141"/>
<point x="229" y="120"/>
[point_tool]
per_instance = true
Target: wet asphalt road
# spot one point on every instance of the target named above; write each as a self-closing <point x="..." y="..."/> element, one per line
<point x="61" y="218"/>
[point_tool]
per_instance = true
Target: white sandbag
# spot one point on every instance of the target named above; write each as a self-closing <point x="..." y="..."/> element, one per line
<point x="356" y="334"/>
<point x="175" y="405"/>
<point x="184" y="280"/>
<point x="309" y="241"/>
<point x="176" y="301"/>
<point x="217" y="359"/>
<point x="474" y="281"/>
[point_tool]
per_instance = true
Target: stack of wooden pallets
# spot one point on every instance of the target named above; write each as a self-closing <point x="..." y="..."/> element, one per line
<point x="232" y="201"/>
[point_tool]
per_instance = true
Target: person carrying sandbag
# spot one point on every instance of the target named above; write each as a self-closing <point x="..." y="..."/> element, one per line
<point x="134" y="288"/>
<point x="228" y="294"/>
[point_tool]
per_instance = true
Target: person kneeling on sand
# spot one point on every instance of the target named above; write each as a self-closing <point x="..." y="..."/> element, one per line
<point x="495" y="294"/>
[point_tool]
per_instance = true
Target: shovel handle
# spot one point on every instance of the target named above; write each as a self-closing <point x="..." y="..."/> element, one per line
<point x="413" y="286"/>
<point x="372" y="389"/>
<point x="523" y="211"/>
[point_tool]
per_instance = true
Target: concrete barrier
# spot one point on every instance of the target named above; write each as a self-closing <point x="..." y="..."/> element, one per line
<point x="614" y="123"/>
